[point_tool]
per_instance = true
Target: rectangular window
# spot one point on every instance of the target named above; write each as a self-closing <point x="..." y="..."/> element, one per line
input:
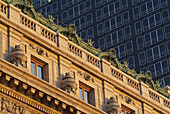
<point x="114" y="39"/>
<point x="119" y="20"/>
<point x="82" y="22"/>
<point x="107" y="25"/>
<point x="149" y="7"/>
<point x="83" y="35"/>
<point x="145" y="24"/>
<point x="165" y="15"/>
<point x="63" y="4"/>
<point x="162" y="50"/>
<point x="106" y="11"/>
<point x="90" y="33"/>
<point x="113" y="23"/>
<point x="148" y="41"/>
<point x="155" y="4"/>
<point x="76" y="11"/>
<point x="125" y="17"/>
<point x="101" y="43"/>
<point x="124" y="4"/>
<point x="86" y="93"/>
<point x="156" y="52"/>
<point x="100" y="28"/>
<point x="88" y="5"/>
<point x="120" y="35"/>
<point x="163" y="3"/>
<point x="127" y="31"/>
<point x="136" y="13"/>
<point x="140" y="43"/>
<point x="152" y="69"/>
<point x="89" y="19"/>
<point x="131" y="62"/>
<point x="81" y="8"/>
<point x="158" y="69"/>
<point x="39" y="69"/>
<point x="70" y="13"/>
<point x="167" y="31"/>
<point x="149" y="55"/>
<point x="168" y="47"/>
<point x="122" y="50"/>
<point x="160" y="34"/>
<point x="111" y="8"/>
<point x="152" y="21"/>
<point x="99" y="14"/>
<point x="117" y="6"/>
<point x="143" y="9"/>
<point x="129" y="47"/>
<point x="138" y="28"/>
<point x="108" y="40"/>
<point x="158" y="19"/>
<point x="142" y="59"/>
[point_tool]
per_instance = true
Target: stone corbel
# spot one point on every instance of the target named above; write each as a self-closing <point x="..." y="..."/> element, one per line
<point x="113" y="107"/>
<point x="68" y="83"/>
<point x="18" y="57"/>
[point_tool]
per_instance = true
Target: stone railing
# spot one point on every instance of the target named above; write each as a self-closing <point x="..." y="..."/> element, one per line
<point x="42" y="33"/>
<point x="116" y="74"/>
<point x="3" y="8"/>
<point x="167" y="103"/>
<point x="154" y="95"/>
<point x="27" y="22"/>
<point x="133" y="83"/>
<point x="75" y="49"/>
<point x="93" y="60"/>
<point x="49" y="34"/>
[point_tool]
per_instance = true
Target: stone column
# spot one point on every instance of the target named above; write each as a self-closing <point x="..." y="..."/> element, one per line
<point x="1" y="37"/>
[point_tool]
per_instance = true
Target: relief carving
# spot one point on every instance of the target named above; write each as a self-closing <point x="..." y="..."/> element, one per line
<point x="127" y="99"/>
<point x="68" y="83"/>
<point x="39" y="50"/>
<point x="113" y="107"/>
<point x="18" y="56"/>
<point x="8" y="107"/>
<point x="86" y="76"/>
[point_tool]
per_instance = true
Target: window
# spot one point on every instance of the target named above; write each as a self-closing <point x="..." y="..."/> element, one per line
<point x="152" y="69"/>
<point x="126" y="111"/>
<point x="86" y="93"/>
<point x="119" y="20"/>
<point x="113" y="23"/>
<point x="89" y="19"/>
<point x="88" y="5"/>
<point x="97" y="3"/>
<point x="117" y="6"/>
<point x="167" y="31"/>
<point x="129" y="47"/>
<point x="145" y="24"/>
<point x="163" y="3"/>
<point x="82" y="22"/>
<point x="107" y="25"/>
<point x="39" y="69"/>
<point x="127" y="31"/>
<point x="165" y="15"/>
<point x="124" y="4"/>
<point x="64" y="16"/>
<point x="131" y="62"/>
<point x="101" y="43"/>
<point x="136" y="13"/>
<point x="168" y="47"/>
<point x="70" y="12"/>
<point x="143" y="9"/>
<point x="64" y="4"/>
<point x="106" y="11"/>
<point x="100" y="28"/>
<point x="138" y="28"/>
<point x="155" y="4"/>
<point x="141" y="57"/>
<point x="83" y="35"/>
<point x="99" y="14"/>
<point x="140" y="43"/>
<point x="147" y="40"/>
<point x="108" y="40"/>
<point x="111" y="8"/>
<point x="90" y="33"/>
<point x="81" y="8"/>
<point x="76" y="10"/>
<point x="149" y="55"/>
<point x="126" y="17"/>
<point x="120" y="35"/>
<point x="122" y="50"/>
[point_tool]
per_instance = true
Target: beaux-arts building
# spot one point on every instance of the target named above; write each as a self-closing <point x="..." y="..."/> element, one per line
<point x="46" y="68"/>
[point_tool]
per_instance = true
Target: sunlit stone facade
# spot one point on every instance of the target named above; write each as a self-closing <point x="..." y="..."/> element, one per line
<point x="44" y="72"/>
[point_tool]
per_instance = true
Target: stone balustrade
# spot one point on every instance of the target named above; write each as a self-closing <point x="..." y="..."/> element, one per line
<point x="3" y="8"/>
<point x="27" y="22"/>
<point x="154" y="95"/>
<point x="75" y="49"/>
<point x="42" y="32"/>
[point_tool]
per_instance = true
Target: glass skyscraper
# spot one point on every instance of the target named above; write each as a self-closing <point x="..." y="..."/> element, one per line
<point x="139" y="30"/>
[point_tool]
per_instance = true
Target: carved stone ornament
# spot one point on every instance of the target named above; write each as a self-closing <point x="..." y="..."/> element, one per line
<point x="8" y="107"/>
<point x="113" y="107"/>
<point x="18" y="56"/>
<point x="69" y="84"/>
<point x="39" y="50"/>
<point x="127" y="99"/>
<point x="86" y="76"/>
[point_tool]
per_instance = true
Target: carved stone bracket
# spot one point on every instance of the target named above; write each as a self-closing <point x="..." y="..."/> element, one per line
<point x="18" y="57"/>
<point x="69" y="84"/>
<point x="86" y="76"/>
<point x="112" y="106"/>
<point x="39" y="50"/>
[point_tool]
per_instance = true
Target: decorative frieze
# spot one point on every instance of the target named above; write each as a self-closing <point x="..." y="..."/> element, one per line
<point x="9" y="107"/>
<point x="68" y="83"/>
<point x="18" y="57"/>
<point x="86" y="76"/>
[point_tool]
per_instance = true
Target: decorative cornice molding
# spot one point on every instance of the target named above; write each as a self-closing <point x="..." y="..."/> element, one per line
<point x="39" y="50"/>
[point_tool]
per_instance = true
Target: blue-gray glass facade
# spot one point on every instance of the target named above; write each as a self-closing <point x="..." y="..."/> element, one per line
<point x="139" y="30"/>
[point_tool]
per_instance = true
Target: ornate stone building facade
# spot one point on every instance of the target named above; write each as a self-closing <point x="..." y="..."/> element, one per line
<point x="45" y="68"/>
